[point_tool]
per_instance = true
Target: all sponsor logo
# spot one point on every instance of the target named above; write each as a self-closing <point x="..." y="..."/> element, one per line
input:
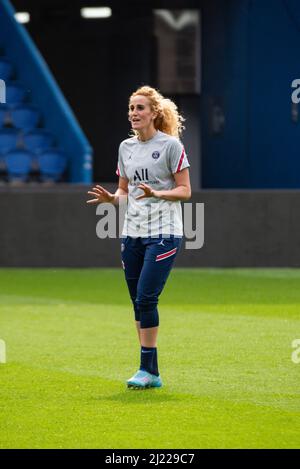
<point x="141" y="175"/>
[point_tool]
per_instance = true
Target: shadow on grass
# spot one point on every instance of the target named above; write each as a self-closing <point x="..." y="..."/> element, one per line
<point x="143" y="396"/>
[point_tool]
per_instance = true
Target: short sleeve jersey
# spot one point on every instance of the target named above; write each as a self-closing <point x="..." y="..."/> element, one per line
<point x="153" y="162"/>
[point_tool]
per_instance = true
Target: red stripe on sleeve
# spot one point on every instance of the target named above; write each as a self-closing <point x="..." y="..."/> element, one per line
<point x="180" y="161"/>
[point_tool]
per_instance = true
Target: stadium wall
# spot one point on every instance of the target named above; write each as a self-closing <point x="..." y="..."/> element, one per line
<point x="53" y="227"/>
<point x="250" y="130"/>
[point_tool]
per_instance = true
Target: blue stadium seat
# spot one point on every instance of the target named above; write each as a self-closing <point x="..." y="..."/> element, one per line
<point x="15" y="93"/>
<point x="18" y="165"/>
<point x="6" y="69"/>
<point x="52" y="165"/>
<point x="9" y="139"/>
<point x="25" y="117"/>
<point x="38" y="141"/>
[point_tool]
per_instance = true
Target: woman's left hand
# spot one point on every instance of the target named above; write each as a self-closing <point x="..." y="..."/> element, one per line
<point x="148" y="192"/>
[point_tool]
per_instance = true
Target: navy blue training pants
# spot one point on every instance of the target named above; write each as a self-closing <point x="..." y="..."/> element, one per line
<point x="147" y="263"/>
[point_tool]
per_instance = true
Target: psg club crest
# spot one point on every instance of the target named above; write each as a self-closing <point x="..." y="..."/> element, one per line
<point x="155" y="155"/>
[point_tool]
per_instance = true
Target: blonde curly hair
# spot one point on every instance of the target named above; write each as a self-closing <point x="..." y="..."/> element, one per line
<point x="168" y="119"/>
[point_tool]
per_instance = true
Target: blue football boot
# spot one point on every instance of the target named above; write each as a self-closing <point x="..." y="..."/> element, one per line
<point x="143" y="379"/>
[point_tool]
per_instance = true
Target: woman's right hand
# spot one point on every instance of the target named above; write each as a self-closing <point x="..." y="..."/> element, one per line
<point x="101" y="195"/>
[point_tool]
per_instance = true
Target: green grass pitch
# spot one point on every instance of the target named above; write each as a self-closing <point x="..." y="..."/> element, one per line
<point x="225" y="349"/>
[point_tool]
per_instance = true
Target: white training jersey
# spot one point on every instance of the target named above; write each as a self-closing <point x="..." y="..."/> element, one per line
<point x="153" y="162"/>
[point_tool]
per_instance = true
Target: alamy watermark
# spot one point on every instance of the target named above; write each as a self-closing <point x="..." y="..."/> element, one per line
<point x="295" y="98"/>
<point x="2" y="351"/>
<point x="113" y="220"/>
<point x="296" y="353"/>
<point x="296" y="93"/>
<point x="2" y="92"/>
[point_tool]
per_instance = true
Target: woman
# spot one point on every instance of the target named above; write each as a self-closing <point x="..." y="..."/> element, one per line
<point x="153" y="174"/>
